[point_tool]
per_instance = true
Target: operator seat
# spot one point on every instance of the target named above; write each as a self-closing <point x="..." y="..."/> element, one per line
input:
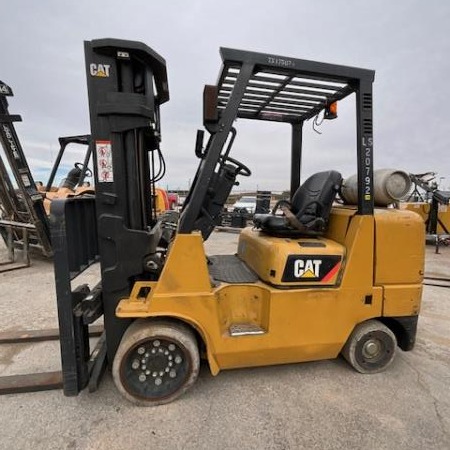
<point x="309" y="211"/>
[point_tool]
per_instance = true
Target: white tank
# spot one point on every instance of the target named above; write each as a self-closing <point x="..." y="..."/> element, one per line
<point x="389" y="185"/>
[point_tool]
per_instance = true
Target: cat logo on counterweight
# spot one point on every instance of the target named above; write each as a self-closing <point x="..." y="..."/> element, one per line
<point x="310" y="268"/>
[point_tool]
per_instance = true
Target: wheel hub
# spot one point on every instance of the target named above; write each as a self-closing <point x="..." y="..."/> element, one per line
<point x="371" y="348"/>
<point x="155" y="368"/>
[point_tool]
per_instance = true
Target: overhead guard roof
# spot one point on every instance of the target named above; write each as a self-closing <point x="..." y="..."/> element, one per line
<point x="285" y="89"/>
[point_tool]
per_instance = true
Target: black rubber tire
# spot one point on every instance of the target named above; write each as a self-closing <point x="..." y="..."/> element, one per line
<point x="143" y="333"/>
<point x="382" y="342"/>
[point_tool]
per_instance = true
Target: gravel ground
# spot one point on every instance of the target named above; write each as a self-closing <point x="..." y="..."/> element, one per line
<point x="323" y="405"/>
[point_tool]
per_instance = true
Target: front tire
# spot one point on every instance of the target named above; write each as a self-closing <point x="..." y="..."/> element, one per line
<point x="156" y="362"/>
<point x="371" y="347"/>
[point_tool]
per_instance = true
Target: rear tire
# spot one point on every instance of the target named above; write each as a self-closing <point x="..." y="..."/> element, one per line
<point x="371" y="347"/>
<point x="156" y="362"/>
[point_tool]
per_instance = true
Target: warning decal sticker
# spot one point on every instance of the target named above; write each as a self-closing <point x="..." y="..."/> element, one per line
<point x="104" y="161"/>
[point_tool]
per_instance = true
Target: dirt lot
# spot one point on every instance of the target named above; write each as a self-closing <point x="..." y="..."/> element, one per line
<point x="323" y="405"/>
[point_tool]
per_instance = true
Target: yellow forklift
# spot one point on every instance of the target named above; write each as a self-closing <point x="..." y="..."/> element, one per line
<point x="311" y="280"/>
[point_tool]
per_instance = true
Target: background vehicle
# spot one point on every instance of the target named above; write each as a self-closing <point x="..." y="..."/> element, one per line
<point x="247" y="202"/>
<point x="24" y="204"/>
<point x="432" y="204"/>
<point x="307" y="285"/>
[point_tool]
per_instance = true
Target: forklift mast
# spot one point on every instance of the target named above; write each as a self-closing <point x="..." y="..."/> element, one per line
<point x="24" y="207"/>
<point x="127" y="82"/>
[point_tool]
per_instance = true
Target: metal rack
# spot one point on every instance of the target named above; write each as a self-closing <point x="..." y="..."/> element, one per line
<point x="23" y="220"/>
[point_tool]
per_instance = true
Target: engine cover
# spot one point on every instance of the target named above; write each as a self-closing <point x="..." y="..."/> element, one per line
<point x="298" y="262"/>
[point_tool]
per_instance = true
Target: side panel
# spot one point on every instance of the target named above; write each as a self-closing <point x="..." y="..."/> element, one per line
<point x="186" y="269"/>
<point x="400" y="247"/>
<point x="296" y="324"/>
<point x="339" y="222"/>
<point x="312" y="324"/>
<point x="359" y="243"/>
<point x="305" y="325"/>
<point x="402" y="300"/>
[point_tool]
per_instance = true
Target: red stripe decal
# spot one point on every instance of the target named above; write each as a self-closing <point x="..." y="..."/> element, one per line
<point x="331" y="273"/>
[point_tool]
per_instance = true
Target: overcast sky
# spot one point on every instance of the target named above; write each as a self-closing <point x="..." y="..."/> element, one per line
<point x="407" y="43"/>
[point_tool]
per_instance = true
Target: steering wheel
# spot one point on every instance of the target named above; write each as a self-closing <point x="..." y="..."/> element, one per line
<point x="241" y="168"/>
<point x="79" y="166"/>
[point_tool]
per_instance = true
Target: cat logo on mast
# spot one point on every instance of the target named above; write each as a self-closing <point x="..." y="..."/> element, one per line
<point x="99" y="70"/>
<point x="4" y="89"/>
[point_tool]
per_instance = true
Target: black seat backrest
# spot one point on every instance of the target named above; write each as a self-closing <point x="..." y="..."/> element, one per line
<point x="314" y="198"/>
<point x="309" y="211"/>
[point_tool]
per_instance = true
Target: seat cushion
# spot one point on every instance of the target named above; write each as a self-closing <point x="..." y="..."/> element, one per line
<point x="279" y="226"/>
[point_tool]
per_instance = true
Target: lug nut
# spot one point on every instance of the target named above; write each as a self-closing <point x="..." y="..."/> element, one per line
<point x="135" y="365"/>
